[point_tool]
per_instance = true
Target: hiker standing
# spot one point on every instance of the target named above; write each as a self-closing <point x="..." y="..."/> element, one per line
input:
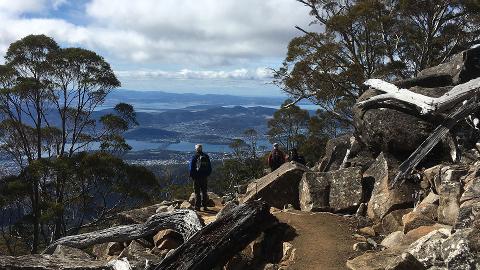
<point x="276" y="157"/>
<point x="200" y="169"/>
<point x="294" y="156"/>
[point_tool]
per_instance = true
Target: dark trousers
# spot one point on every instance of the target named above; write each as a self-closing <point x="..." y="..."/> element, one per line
<point x="200" y="188"/>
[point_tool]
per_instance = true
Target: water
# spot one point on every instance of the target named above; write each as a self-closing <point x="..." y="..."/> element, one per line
<point x="182" y="146"/>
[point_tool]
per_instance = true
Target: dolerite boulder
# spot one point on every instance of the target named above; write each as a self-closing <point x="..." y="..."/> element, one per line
<point x="313" y="192"/>
<point x="67" y="252"/>
<point x="345" y="189"/>
<point x="383" y="199"/>
<point x="424" y="214"/>
<point x="468" y="215"/>
<point x="472" y="190"/>
<point x="335" y="151"/>
<point x="428" y="249"/>
<point x="339" y="190"/>
<point x="462" y="67"/>
<point x="395" y="129"/>
<point x="375" y="260"/>
<point x="139" y="256"/>
<point x="392" y="221"/>
<point x="49" y="262"/>
<point x="278" y="188"/>
<point x="139" y="215"/>
<point x="462" y="250"/>
<point x="449" y="207"/>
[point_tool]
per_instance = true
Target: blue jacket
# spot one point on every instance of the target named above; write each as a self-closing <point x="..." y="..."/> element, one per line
<point x="193" y="167"/>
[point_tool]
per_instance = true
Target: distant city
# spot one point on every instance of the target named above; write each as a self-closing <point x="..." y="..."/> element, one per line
<point x="171" y="124"/>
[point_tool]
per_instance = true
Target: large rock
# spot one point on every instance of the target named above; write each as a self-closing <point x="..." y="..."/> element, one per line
<point x="67" y="252"/>
<point x="335" y="151"/>
<point x="105" y="250"/>
<point x="406" y="261"/>
<point x="375" y="260"/>
<point x="424" y="214"/>
<point x="462" y="67"/>
<point x="49" y="262"/>
<point x="468" y="214"/>
<point x="278" y="188"/>
<point x="383" y="199"/>
<point x="414" y="220"/>
<point x="472" y="190"/>
<point x="167" y="239"/>
<point x="462" y="250"/>
<point x="139" y="256"/>
<point x="339" y="190"/>
<point x="346" y="191"/>
<point x="393" y="221"/>
<point x="449" y="206"/>
<point x="421" y="231"/>
<point x="139" y="215"/>
<point x="394" y="239"/>
<point x="396" y="130"/>
<point x="314" y="191"/>
<point x="428" y="249"/>
<point x="444" y="174"/>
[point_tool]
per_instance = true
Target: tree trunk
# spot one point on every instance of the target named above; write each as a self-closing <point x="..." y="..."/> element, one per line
<point x="412" y="161"/>
<point x="220" y="240"/>
<point x="185" y="222"/>
<point x="426" y="104"/>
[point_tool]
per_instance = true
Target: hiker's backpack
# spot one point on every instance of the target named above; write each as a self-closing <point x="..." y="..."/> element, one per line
<point x="203" y="164"/>
<point x="277" y="158"/>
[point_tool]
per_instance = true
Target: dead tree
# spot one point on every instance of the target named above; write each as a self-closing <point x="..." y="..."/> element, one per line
<point x="220" y="240"/>
<point x="412" y="161"/>
<point x="426" y="104"/>
<point x="185" y="222"/>
<point x="465" y="94"/>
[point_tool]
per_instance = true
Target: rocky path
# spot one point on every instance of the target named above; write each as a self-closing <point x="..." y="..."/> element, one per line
<point x="324" y="241"/>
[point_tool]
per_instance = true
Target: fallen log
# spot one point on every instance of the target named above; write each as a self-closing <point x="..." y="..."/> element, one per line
<point x="185" y="222"/>
<point x="426" y="104"/>
<point x="452" y="119"/>
<point x="48" y="262"/>
<point x="220" y="240"/>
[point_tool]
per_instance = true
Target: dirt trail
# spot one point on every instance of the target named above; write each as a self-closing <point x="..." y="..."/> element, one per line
<point x="324" y="241"/>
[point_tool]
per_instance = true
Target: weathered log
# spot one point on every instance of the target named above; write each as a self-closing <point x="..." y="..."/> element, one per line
<point x="49" y="262"/>
<point x="426" y="104"/>
<point x="220" y="240"/>
<point x="185" y="222"/>
<point x="408" y="165"/>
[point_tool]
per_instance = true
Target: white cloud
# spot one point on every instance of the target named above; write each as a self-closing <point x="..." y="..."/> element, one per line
<point x="188" y="33"/>
<point x="188" y="74"/>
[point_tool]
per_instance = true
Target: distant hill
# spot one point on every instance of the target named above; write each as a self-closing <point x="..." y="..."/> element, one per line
<point x="146" y="133"/>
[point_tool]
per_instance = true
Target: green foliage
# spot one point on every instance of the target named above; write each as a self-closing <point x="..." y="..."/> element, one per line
<point x="363" y="39"/>
<point x="84" y="188"/>
<point x="65" y="189"/>
<point x="288" y="126"/>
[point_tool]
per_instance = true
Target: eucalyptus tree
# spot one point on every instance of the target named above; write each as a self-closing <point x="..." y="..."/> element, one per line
<point x="360" y="39"/>
<point x="48" y="101"/>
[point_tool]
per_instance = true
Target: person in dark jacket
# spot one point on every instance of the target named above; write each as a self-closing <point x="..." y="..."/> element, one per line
<point x="276" y="157"/>
<point x="294" y="156"/>
<point x="200" y="169"/>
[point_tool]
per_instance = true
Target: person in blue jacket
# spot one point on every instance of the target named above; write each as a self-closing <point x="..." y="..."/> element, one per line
<point x="200" y="169"/>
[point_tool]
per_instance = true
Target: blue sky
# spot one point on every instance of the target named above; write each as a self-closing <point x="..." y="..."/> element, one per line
<point x="202" y="46"/>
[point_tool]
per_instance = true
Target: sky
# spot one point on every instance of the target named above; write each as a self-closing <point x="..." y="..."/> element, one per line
<point x="201" y="46"/>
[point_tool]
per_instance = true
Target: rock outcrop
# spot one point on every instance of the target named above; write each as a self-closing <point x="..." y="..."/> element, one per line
<point x="441" y="231"/>
<point x="278" y="188"/>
